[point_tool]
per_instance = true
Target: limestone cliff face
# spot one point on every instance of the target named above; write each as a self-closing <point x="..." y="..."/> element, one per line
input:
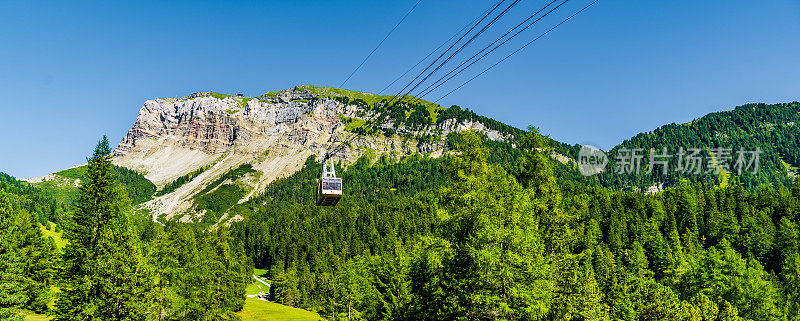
<point x="214" y="125"/>
<point x="274" y="133"/>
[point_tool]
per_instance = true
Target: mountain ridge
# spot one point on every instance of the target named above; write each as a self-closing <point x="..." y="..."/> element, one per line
<point x="274" y="134"/>
<point x="199" y="138"/>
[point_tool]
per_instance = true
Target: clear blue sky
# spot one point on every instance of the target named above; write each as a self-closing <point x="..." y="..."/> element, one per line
<point x="73" y="71"/>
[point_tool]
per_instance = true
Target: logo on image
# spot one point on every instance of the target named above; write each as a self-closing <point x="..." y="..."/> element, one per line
<point x="591" y="160"/>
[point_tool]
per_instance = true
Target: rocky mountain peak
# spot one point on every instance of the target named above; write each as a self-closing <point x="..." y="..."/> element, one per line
<point x="274" y="133"/>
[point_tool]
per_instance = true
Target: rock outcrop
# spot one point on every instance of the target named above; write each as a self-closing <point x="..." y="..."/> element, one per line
<point x="274" y="133"/>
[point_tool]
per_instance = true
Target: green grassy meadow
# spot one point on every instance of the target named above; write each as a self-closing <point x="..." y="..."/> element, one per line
<point x="60" y="243"/>
<point x="260" y="310"/>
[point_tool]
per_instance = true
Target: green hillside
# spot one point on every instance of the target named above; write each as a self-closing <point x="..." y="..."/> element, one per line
<point x="42" y="204"/>
<point x="499" y="230"/>
<point x="65" y="190"/>
<point x="139" y="188"/>
<point x="772" y="128"/>
<point x="259" y="310"/>
<point x="49" y="231"/>
<point x="410" y="236"/>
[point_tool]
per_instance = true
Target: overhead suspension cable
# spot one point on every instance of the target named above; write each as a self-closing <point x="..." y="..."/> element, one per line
<point x="392" y="102"/>
<point x="448" y="50"/>
<point x="518" y="50"/>
<point x="433" y="52"/>
<point x="372" y="52"/>
<point x="439" y="82"/>
<point x="500" y="15"/>
<point x="380" y="43"/>
<point x="462" y="47"/>
<point x="388" y="105"/>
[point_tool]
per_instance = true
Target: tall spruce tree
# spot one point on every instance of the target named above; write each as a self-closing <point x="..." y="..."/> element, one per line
<point x="104" y="276"/>
<point x="36" y="254"/>
<point x="489" y="263"/>
<point x="12" y="280"/>
<point x="202" y="276"/>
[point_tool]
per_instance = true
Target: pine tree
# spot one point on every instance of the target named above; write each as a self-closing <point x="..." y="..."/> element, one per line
<point x="489" y="262"/>
<point x="577" y="295"/>
<point x="36" y="253"/>
<point x="201" y="276"/>
<point x="104" y="276"/>
<point x="12" y="280"/>
<point x="791" y="275"/>
<point x="638" y="260"/>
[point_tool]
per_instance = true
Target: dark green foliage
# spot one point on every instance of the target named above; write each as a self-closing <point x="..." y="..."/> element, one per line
<point x="172" y="186"/>
<point x="37" y="256"/>
<point x="104" y="275"/>
<point x="218" y="201"/>
<point x="309" y="249"/>
<point x="487" y="254"/>
<point x="419" y="117"/>
<point x="217" y="197"/>
<point x="774" y="129"/>
<point x="42" y="204"/>
<point x="12" y="278"/>
<point x="467" y="240"/>
<point x="233" y="175"/>
<point x="32" y="252"/>
<point x="138" y="188"/>
<point x="202" y="274"/>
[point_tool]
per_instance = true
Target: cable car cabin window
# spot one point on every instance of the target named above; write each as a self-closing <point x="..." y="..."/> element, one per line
<point x="329" y="191"/>
<point x="332" y="184"/>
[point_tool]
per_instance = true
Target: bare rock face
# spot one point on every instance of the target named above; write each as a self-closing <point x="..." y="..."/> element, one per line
<point x="274" y="133"/>
<point x="213" y="125"/>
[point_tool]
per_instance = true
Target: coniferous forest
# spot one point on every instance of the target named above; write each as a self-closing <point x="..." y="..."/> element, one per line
<point x="115" y="265"/>
<point x="383" y="160"/>
<point x="489" y="232"/>
<point x="466" y="238"/>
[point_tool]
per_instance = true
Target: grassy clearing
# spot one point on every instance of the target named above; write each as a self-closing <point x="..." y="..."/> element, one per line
<point x="433" y="110"/>
<point x="60" y="243"/>
<point x="219" y="96"/>
<point x="243" y="101"/>
<point x="790" y="170"/>
<point x="256" y="288"/>
<point x="30" y="316"/>
<point x="73" y="173"/>
<point x="259" y="310"/>
<point x="351" y="124"/>
<point x="724" y="178"/>
<point x="330" y="91"/>
<point x="260" y="273"/>
<point x="263" y="156"/>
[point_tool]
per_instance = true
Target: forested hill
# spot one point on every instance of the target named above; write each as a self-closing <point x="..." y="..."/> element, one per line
<point x="448" y="238"/>
<point x="773" y="129"/>
<point x="53" y="196"/>
<point x="97" y="259"/>
<point x="487" y="229"/>
<point x="42" y="204"/>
